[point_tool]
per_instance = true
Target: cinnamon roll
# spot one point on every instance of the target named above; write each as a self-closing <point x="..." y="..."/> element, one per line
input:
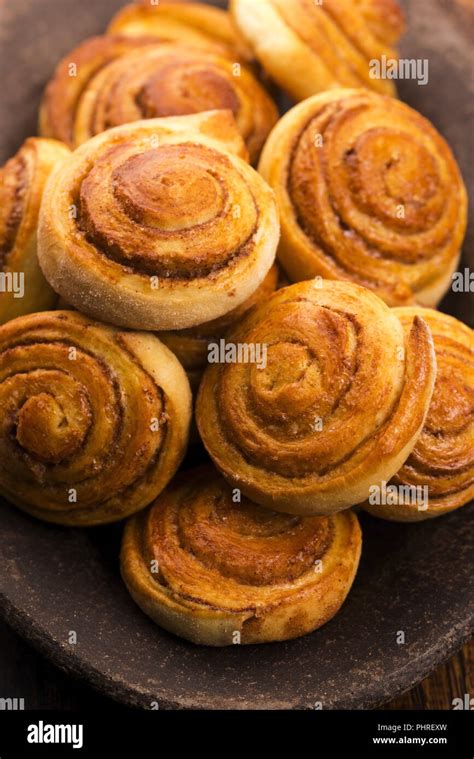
<point x="189" y="22"/>
<point x="158" y="224"/>
<point x="368" y="191"/>
<point x="319" y="395"/>
<point x="218" y="570"/>
<point x="191" y="346"/>
<point x="309" y="46"/>
<point x="174" y="80"/>
<point x="438" y="477"/>
<point x="23" y="288"/>
<point x="93" y="421"/>
<point x="73" y="75"/>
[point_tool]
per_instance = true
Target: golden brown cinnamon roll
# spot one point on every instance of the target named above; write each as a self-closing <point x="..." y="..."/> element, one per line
<point x="93" y="421"/>
<point x="191" y="346"/>
<point x="319" y="396"/>
<point x="438" y="477"/>
<point x="23" y="288"/>
<point x="72" y="77"/>
<point x="158" y="224"/>
<point x="218" y="570"/>
<point x="174" y="80"/>
<point x="368" y="191"/>
<point x="308" y="47"/>
<point x="189" y="22"/>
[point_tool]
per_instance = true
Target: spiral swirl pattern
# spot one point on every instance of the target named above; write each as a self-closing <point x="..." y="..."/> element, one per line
<point x="308" y="47"/>
<point x="189" y="22"/>
<point x="22" y="182"/>
<point x="173" y="80"/>
<point x="443" y="458"/>
<point x="335" y="406"/>
<point x="207" y="567"/>
<point x="94" y="421"/>
<point x="73" y="75"/>
<point x="171" y="229"/>
<point x="368" y="191"/>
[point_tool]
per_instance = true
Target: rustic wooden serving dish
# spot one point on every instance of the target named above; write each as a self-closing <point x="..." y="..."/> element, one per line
<point x="416" y="578"/>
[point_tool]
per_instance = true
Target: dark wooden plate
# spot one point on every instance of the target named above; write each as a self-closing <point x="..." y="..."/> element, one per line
<point x="415" y="579"/>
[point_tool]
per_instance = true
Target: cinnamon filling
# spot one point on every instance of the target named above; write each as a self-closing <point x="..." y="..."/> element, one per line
<point x="168" y="212"/>
<point x="241" y="542"/>
<point x="13" y="188"/>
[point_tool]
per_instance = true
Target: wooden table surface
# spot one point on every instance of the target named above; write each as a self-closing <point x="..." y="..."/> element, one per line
<point x="26" y="674"/>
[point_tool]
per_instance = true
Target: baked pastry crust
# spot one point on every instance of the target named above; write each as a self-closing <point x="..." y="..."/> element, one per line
<point x="219" y="572"/>
<point x="368" y="191"/>
<point x="443" y="458"/>
<point x="191" y="346"/>
<point x="170" y="227"/>
<point x="64" y="91"/>
<point x="189" y="22"/>
<point x="174" y="80"/>
<point x="308" y="47"/>
<point x="335" y="407"/>
<point x="22" y="182"/>
<point x="93" y="421"/>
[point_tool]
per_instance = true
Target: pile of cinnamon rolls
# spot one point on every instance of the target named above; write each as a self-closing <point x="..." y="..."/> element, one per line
<point x="164" y="209"/>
